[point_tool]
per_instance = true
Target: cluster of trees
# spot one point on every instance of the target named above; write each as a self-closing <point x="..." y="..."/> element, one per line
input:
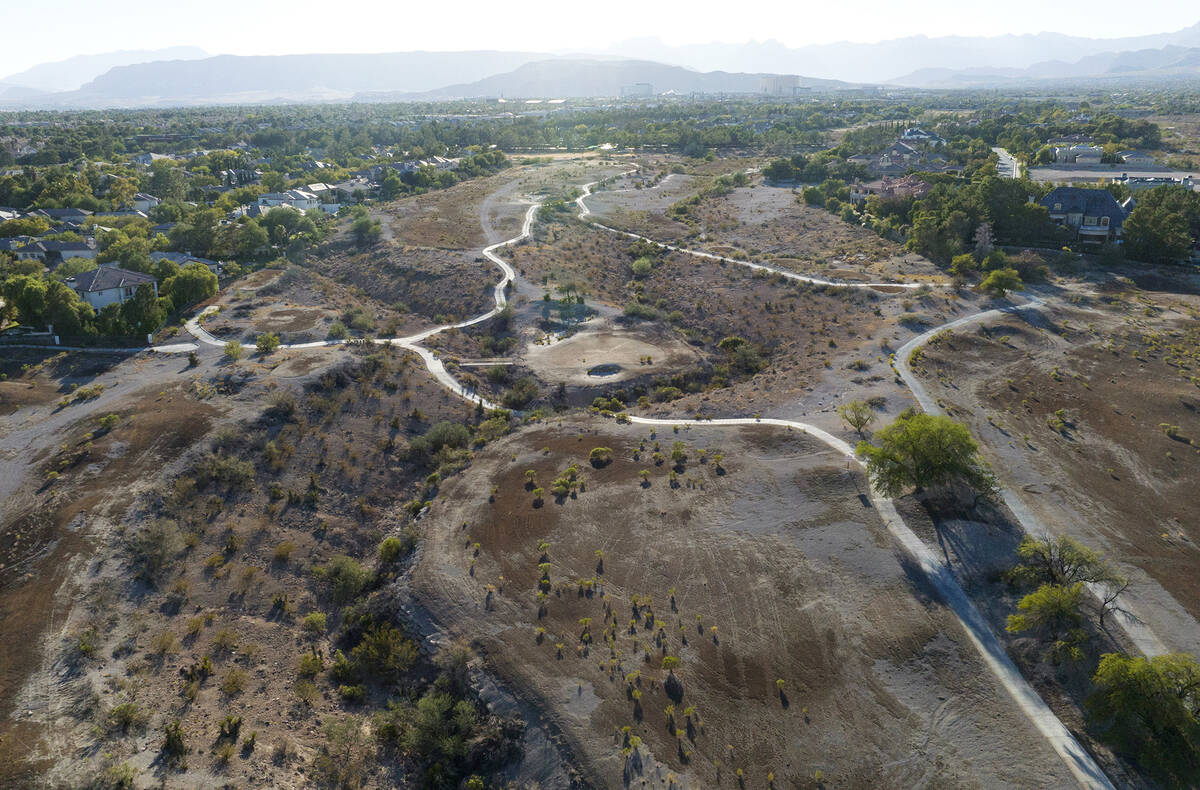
<point x="1147" y="708"/>
<point x="35" y="299"/>
<point x="813" y="169"/>
<point x="1164" y="224"/>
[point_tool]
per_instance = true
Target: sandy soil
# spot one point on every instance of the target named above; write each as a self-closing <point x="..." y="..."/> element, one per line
<point x="1117" y="371"/>
<point x="779" y="554"/>
<point x="601" y="342"/>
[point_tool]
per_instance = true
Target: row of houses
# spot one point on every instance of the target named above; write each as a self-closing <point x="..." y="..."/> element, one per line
<point x="900" y="157"/>
<point x="1087" y="153"/>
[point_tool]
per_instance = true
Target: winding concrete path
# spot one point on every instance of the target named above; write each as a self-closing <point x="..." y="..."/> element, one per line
<point x="1084" y="768"/>
<point x="1133" y="624"/>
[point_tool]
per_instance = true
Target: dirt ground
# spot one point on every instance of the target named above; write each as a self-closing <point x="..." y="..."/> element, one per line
<point x="767" y="568"/>
<point x="823" y="345"/>
<point x="634" y="351"/>
<point x="760" y="223"/>
<point x="1090" y="408"/>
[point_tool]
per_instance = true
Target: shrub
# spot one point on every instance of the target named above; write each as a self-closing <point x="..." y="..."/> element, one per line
<point x="233" y="350"/>
<point x="521" y="394"/>
<point x="124" y="716"/>
<point x="384" y="654"/>
<point x="310" y="665"/>
<point x="283" y="551"/>
<point x="393" y="549"/>
<point x="314" y="624"/>
<point x="154" y="548"/>
<point x="173" y="746"/>
<point x="108" y="422"/>
<point x="344" y="577"/>
<point x="267" y="343"/>
<point x="447" y="434"/>
<point x="856" y="414"/>
<point x="600" y="456"/>
<point x="338" y="331"/>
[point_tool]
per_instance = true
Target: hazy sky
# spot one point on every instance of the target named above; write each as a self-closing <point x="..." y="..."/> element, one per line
<point x="47" y="30"/>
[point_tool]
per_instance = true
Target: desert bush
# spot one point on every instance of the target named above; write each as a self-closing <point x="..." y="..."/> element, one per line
<point x="523" y="391"/>
<point x="343" y="759"/>
<point x="314" y="624"/>
<point x="338" y="331"/>
<point x="155" y="547"/>
<point x="174" y="747"/>
<point x="125" y="716"/>
<point x="447" y="434"/>
<point x="856" y="414"/>
<point x="283" y="551"/>
<point x="394" y="549"/>
<point x="344" y="578"/>
<point x="234" y="350"/>
<point x="600" y="456"/>
<point x="310" y="665"/>
<point x="267" y="343"/>
<point x="384" y="654"/>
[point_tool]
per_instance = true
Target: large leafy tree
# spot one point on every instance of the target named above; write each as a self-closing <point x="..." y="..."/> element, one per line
<point x="1149" y="709"/>
<point x="1156" y="233"/>
<point x="924" y="451"/>
<point x="194" y="283"/>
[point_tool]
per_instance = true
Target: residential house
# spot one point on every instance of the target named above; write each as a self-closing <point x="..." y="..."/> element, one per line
<point x="60" y="215"/>
<point x="890" y="189"/>
<point x="1069" y="140"/>
<point x="1080" y="154"/>
<point x="918" y="135"/>
<point x="1138" y="183"/>
<point x="1094" y="214"/>
<point x="300" y="199"/>
<point x="109" y="284"/>
<point x="144" y="202"/>
<point x="148" y="159"/>
<point x="53" y="253"/>
<point x="1140" y="158"/>
<point x="14" y="243"/>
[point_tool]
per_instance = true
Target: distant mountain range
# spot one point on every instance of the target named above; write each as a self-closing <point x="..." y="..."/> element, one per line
<point x="185" y="77"/>
<point x="582" y="77"/>
<point x="1170" y="62"/>
<point x="72" y="73"/>
<point x="886" y="60"/>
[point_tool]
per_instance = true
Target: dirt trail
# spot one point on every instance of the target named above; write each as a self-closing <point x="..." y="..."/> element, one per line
<point x="1087" y="772"/>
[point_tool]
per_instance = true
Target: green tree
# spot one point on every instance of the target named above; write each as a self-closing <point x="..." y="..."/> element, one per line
<point x="144" y="313"/>
<point x="857" y="414"/>
<point x="1149" y="709"/>
<point x="366" y="231"/>
<point x="1051" y="609"/>
<point x="1000" y="281"/>
<point x="1155" y="234"/>
<point x="925" y="451"/>
<point x="27" y="292"/>
<point x="194" y="283"/>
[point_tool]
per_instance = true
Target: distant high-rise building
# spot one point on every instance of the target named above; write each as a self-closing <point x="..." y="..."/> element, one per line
<point x="781" y="85"/>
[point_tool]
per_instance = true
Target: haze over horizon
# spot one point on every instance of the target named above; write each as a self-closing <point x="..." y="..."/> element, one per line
<point x="277" y="28"/>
